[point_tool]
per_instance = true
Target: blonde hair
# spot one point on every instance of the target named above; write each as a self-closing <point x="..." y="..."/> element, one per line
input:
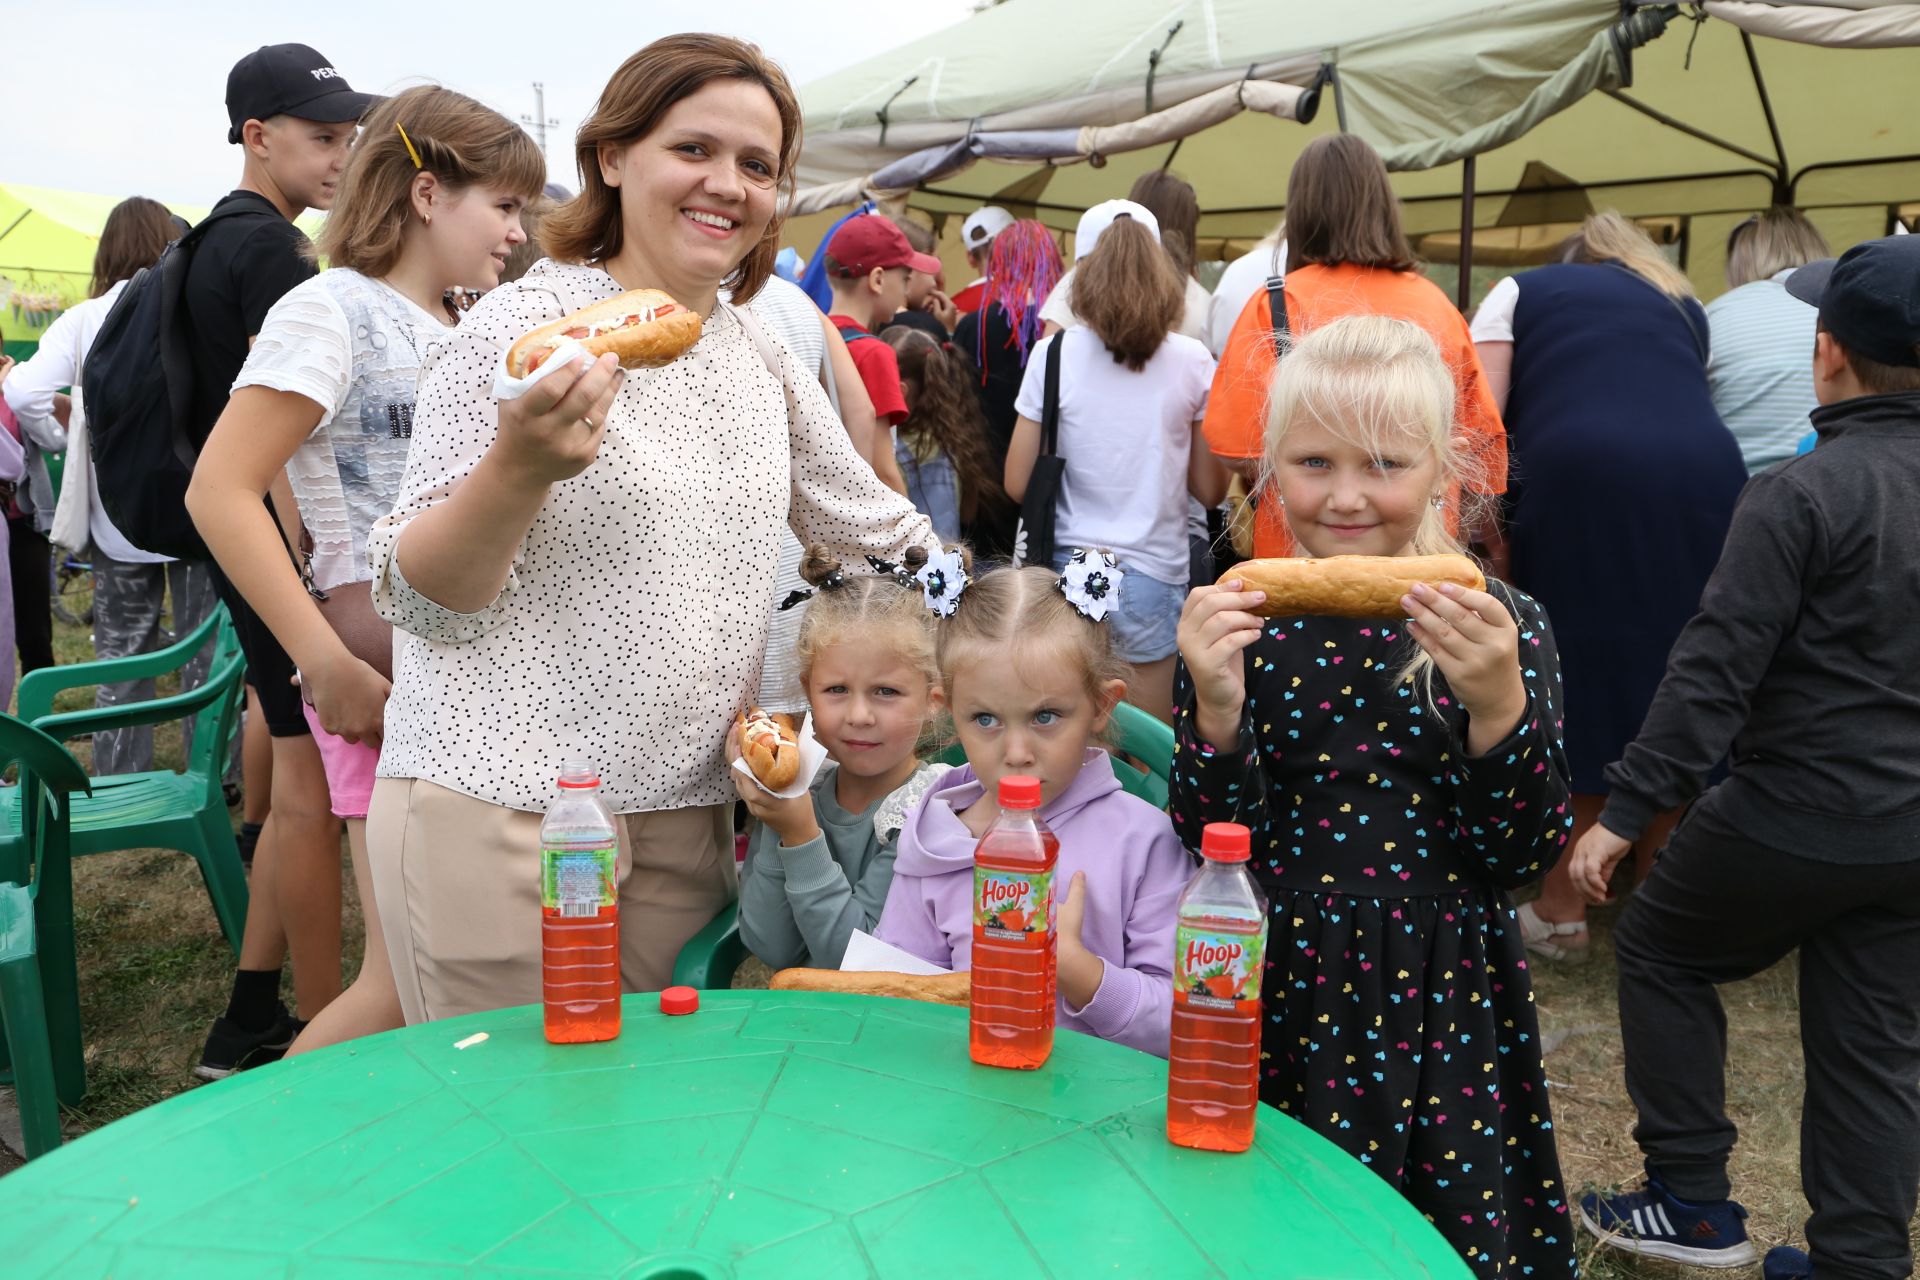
<point x="459" y="141"/>
<point x="1381" y="385"/>
<point x="871" y="606"/>
<point x="1009" y="613"/>
<point x="1608" y="237"/>
<point x="588" y="228"/>
<point x="1768" y="243"/>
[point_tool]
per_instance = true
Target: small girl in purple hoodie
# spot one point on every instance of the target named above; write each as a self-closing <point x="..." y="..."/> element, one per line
<point x="1031" y="679"/>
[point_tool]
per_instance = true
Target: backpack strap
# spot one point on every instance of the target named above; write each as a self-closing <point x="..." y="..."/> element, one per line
<point x="758" y="336"/>
<point x="1277" y="313"/>
<point x="854" y="333"/>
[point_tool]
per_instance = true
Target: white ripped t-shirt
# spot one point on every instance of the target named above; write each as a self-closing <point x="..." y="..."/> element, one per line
<point x="354" y="346"/>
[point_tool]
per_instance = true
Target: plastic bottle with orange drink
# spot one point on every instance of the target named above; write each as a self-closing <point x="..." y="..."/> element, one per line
<point x="1220" y="950"/>
<point x="579" y="912"/>
<point x="1012" y="1009"/>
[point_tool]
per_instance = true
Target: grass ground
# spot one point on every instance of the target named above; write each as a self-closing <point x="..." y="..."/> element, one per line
<point x="155" y="972"/>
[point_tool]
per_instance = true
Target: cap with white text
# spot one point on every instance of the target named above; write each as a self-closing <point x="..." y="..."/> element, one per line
<point x="290" y="80"/>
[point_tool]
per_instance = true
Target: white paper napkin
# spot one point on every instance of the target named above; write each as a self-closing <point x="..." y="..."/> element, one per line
<point x="867" y="954"/>
<point x="812" y="756"/>
<point x="508" y="387"/>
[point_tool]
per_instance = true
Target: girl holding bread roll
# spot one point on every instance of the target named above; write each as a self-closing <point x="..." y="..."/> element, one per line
<point x="818" y="866"/>
<point x="1401" y="774"/>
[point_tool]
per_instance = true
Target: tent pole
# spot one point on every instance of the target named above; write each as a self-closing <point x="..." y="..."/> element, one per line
<point x="1780" y="189"/>
<point x="1674" y="123"/>
<point x="1463" y="292"/>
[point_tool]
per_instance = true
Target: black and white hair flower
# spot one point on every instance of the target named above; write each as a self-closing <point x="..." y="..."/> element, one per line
<point x="943" y="580"/>
<point x="1091" y="582"/>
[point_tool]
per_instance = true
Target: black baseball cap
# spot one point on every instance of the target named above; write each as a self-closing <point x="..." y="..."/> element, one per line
<point x="1869" y="298"/>
<point x="290" y="80"/>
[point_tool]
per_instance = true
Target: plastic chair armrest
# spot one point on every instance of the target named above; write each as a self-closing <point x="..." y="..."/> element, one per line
<point x="38" y="688"/>
<point x="73" y="724"/>
<point x="712" y="955"/>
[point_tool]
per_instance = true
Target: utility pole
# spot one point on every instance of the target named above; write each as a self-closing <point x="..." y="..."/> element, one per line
<point x="539" y="122"/>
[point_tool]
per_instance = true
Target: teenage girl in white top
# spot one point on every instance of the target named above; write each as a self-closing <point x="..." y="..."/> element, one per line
<point x="430" y="199"/>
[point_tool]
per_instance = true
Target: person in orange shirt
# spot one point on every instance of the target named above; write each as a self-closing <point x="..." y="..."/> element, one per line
<point x="1346" y="255"/>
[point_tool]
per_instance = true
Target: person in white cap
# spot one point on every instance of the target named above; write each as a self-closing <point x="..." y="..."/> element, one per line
<point x="977" y="234"/>
<point x="1176" y="210"/>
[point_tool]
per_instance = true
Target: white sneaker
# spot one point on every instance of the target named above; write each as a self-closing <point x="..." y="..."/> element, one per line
<point x="1568" y="943"/>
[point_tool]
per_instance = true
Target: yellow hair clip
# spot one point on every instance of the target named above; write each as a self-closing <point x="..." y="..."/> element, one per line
<point x="409" y="141"/>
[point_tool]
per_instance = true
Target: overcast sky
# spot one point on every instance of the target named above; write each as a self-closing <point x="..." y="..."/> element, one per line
<point x="129" y="98"/>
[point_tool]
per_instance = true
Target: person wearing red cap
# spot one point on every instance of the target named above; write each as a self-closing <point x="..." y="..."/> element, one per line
<point x="869" y="262"/>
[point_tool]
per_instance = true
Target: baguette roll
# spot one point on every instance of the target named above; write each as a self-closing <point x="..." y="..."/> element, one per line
<point x="645" y="328"/>
<point x="1348" y="586"/>
<point x="937" y="988"/>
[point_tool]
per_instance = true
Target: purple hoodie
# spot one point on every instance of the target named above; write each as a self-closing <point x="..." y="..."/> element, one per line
<point x="1135" y="871"/>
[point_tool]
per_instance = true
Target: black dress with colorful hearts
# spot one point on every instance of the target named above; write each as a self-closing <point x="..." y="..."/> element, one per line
<point x="1399" y="1011"/>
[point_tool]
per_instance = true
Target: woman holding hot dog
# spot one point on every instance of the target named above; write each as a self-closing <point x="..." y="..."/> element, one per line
<point x="585" y="571"/>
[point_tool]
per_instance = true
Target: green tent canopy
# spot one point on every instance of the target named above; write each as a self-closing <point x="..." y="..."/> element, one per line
<point x="47" y="243"/>
<point x="1700" y="116"/>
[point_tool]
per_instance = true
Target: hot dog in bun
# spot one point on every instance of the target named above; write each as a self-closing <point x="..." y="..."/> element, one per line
<point x="643" y="327"/>
<point x="770" y="744"/>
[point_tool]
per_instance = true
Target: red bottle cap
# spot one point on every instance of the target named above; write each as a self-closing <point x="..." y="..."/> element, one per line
<point x="1018" y="791"/>
<point x="678" y="1000"/>
<point x="1226" y="842"/>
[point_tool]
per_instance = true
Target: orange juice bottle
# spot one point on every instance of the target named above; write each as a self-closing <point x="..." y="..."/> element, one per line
<point x="579" y="912"/>
<point x="1011" y="1018"/>
<point x="1220" y="948"/>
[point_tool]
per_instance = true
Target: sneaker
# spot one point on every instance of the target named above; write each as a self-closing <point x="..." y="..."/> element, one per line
<point x="1651" y="1222"/>
<point x="1567" y="943"/>
<point x="1784" y="1262"/>
<point x="229" y="1049"/>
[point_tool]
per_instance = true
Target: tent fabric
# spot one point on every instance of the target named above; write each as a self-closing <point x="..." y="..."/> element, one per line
<point x="1572" y="84"/>
<point x="1836" y="25"/>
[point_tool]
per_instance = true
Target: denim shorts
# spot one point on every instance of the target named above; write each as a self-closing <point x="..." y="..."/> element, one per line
<point x="1147" y="619"/>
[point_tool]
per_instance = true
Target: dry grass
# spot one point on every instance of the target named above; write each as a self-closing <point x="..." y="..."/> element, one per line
<point x="1594" y="1119"/>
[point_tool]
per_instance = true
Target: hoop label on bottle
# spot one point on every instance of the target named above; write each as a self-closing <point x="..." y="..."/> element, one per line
<point x="579" y="882"/>
<point x="1213" y="969"/>
<point x="1011" y="905"/>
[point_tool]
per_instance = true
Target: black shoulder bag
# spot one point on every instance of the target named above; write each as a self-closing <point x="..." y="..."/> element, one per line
<point x="1033" y="536"/>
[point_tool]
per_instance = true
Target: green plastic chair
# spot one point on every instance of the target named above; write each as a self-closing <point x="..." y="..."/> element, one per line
<point x="39" y="987"/>
<point x="712" y="956"/>
<point x="160" y="809"/>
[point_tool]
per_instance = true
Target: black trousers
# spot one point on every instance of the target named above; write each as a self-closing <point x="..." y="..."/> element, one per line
<point x="1720" y="907"/>
<point x="30" y="559"/>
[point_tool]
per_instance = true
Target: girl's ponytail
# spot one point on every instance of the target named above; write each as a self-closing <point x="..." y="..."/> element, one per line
<point x="947" y="415"/>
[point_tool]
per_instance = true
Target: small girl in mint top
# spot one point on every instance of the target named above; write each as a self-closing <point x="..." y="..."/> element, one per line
<point x="818" y="866"/>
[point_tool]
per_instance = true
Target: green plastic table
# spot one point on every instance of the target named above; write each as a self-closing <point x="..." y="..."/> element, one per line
<point x="771" y="1134"/>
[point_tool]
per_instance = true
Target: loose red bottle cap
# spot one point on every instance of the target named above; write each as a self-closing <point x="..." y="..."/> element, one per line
<point x="1226" y="842"/>
<point x="1018" y="791"/>
<point x="678" y="1000"/>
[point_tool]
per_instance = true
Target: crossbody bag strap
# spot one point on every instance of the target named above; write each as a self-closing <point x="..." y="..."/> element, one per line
<point x="301" y="565"/>
<point x="1050" y="409"/>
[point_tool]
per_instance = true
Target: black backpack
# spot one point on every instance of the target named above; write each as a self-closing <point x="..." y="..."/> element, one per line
<point x="138" y="385"/>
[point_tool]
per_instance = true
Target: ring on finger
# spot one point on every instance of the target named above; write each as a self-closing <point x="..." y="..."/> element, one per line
<point x="587" y="419"/>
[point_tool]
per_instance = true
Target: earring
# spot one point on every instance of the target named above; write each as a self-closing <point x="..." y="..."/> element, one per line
<point x="427" y="218"/>
<point x="1439" y="501"/>
<point x="1281" y="498"/>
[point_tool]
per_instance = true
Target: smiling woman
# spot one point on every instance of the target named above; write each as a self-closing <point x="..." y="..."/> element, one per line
<point x="586" y="571"/>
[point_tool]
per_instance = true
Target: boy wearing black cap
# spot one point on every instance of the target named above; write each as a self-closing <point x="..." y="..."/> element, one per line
<point x="1803" y="666"/>
<point x="294" y="115"/>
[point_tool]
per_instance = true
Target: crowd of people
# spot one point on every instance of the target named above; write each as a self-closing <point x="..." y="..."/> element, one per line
<point x="1003" y="510"/>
